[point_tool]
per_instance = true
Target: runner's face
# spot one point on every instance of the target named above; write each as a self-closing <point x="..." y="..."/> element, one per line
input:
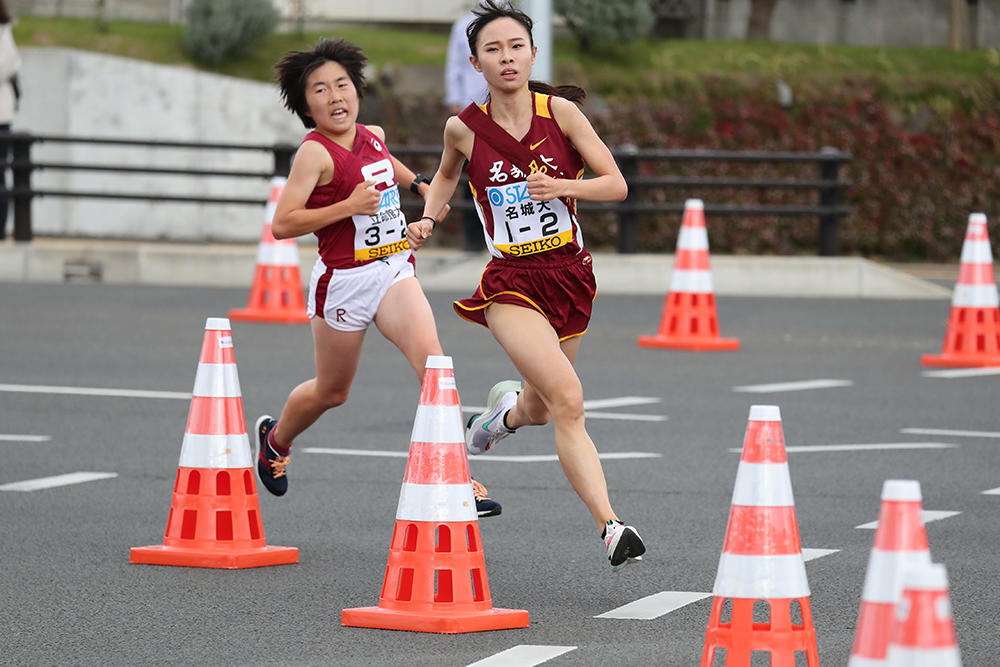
<point x="332" y="98"/>
<point x="504" y="54"/>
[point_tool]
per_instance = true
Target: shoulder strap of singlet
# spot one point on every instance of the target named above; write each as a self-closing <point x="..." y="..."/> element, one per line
<point x="351" y="161"/>
<point x="487" y="129"/>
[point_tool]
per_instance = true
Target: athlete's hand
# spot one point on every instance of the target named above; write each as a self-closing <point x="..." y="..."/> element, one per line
<point x="418" y="232"/>
<point x="365" y="198"/>
<point x="543" y="187"/>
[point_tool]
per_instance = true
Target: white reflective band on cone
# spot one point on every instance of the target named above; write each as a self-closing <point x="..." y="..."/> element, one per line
<point x="924" y="657"/>
<point x="694" y="203"/>
<point x="278" y="254"/>
<point x="438" y="423"/>
<point x="269" y="210"/>
<point x="764" y="413"/>
<point x="977" y="252"/>
<point x="884" y="577"/>
<point x="763" y="485"/>
<point x="692" y="238"/>
<point x="217" y="381"/>
<point x="438" y="361"/>
<point x="436" y="502"/>
<point x="975" y="296"/>
<point x="217" y="324"/>
<point x="901" y="490"/>
<point x="215" y="451"/>
<point x="691" y="282"/>
<point x="759" y="577"/>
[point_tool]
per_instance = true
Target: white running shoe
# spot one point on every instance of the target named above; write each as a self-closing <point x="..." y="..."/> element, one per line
<point x="623" y="543"/>
<point x="486" y="429"/>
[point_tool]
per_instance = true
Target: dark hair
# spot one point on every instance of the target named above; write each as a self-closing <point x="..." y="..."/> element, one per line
<point x="295" y="67"/>
<point x="4" y="14"/>
<point x="490" y="11"/>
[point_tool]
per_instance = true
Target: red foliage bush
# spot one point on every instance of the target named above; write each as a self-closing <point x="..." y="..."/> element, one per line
<point x="922" y="161"/>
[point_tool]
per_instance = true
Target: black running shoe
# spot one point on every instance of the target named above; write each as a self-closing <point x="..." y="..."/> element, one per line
<point x="270" y="464"/>
<point x="623" y="543"/>
<point x="485" y="506"/>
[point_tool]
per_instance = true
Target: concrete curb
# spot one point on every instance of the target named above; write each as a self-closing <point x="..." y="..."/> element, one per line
<point x="54" y="260"/>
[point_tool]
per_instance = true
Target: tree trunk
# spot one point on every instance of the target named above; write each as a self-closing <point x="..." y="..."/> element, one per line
<point x="958" y="25"/>
<point x="759" y="21"/>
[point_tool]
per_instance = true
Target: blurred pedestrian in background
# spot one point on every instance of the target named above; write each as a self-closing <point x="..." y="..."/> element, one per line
<point x="463" y="84"/>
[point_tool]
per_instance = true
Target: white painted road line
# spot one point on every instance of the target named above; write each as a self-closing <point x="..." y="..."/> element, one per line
<point x="926" y="515"/>
<point x="590" y="406"/>
<point x="961" y="372"/>
<point x="536" y="458"/>
<point x="992" y="492"/>
<point x="822" y="383"/>
<point x="93" y="391"/>
<point x="806" y="449"/>
<point x="949" y="432"/>
<point x="813" y="554"/>
<point x="58" y="480"/>
<point x="622" y="402"/>
<point x="654" y="606"/>
<point x="625" y="416"/>
<point x="524" y="655"/>
<point x="14" y="437"/>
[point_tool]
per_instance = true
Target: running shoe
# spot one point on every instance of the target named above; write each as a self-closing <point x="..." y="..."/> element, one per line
<point x="623" y="543"/>
<point x="270" y="464"/>
<point x="485" y="506"/>
<point x="485" y="430"/>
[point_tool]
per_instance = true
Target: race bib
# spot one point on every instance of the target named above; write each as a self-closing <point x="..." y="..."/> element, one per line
<point x="384" y="233"/>
<point x="522" y="226"/>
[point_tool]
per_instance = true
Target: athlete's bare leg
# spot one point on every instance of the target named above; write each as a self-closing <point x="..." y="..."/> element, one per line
<point x="405" y="318"/>
<point x="552" y="388"/>
<point x="337" y="356"/>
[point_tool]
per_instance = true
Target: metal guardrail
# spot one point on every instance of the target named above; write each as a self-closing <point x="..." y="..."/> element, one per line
<point x="826" y="183"/>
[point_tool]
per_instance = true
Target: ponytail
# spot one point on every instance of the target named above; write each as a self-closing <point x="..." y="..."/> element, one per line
<point x="572" y="93"/>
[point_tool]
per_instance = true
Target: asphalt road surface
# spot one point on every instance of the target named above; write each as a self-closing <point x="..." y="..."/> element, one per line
<point x="843" y="372"/>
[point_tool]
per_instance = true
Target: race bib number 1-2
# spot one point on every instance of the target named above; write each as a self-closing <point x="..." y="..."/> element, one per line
<point x="523" y="226"/>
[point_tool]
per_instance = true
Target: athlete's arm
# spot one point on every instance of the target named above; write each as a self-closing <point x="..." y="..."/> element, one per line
<point x="311" y="166"/>
<point x="607" y="185"/>
<point x="457" y="148"/>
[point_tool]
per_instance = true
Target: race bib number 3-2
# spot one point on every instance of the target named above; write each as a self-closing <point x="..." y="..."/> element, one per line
<point x="523" y="226"/>
<point x="384" y="233"/>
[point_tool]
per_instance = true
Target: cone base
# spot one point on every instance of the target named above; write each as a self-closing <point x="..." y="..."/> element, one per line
<point x="164" y="555"/>
<point x="430" y="621"/>
<point x="271" y="316"/>
<point x="963" y="361"/>
<point x="689" y="343"/>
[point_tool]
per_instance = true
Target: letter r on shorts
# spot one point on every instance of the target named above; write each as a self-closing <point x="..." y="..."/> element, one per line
<point x="340" y="314"/>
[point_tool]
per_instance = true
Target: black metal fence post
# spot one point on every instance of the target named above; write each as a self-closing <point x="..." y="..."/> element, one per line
<point x="829" y="197"/>
<point x="283" y="154"/>
<point x="21" y="168"/>
<point x="628" y="219"/>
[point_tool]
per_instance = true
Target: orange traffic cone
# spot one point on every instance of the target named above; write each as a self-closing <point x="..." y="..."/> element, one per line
<point x="689" y="320"/>
<point x="762" y="558"/>
<point x="435" y="580"/>
<point x="923" y="632"/>
<point x="973" y="335"/>
<point x="276" y="294"/>
<point x="214" y="518"/>
<point x="900" y="544"/>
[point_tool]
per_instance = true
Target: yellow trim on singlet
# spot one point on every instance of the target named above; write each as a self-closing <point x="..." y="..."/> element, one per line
<point x="542" y="105"/>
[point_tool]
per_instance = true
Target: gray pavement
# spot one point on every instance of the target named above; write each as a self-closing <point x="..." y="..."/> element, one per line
<point x="71" y="597"/>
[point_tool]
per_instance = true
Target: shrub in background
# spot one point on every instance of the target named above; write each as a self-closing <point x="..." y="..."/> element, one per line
<point x="595" y="22"/>
<point x="219" y="30"/>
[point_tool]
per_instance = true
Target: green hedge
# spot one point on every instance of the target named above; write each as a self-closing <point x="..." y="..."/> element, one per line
<point x="925" y="156"/>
